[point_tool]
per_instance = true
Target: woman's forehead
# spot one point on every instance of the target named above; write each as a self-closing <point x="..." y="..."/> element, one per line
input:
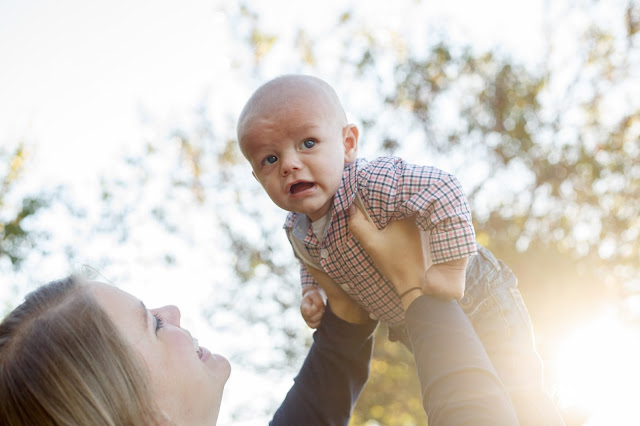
<point x="126" y="311"/>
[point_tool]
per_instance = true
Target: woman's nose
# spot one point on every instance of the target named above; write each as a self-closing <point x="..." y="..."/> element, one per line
<point x="170" y="313"/>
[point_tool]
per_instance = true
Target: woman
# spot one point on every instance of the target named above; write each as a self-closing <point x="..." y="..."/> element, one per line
<point x="78" y="352"/>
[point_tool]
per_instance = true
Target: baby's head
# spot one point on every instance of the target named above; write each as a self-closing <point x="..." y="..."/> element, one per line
<point x="279" y="94"/>
<point x="294" y="133"/>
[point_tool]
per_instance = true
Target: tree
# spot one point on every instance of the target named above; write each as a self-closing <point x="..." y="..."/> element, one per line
<point x="547" y="154"/>
<point x="15" y="236"/>
<point x="18" y="236"/>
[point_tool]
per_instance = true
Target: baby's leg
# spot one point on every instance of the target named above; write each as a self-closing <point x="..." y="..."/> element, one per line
<point x="494" y="305"/>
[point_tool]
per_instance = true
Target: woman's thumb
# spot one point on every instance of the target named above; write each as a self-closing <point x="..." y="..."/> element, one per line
<point x="358" y="223"/>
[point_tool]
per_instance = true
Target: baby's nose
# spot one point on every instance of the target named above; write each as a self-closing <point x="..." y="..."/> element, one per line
<point x="289" y="164"/>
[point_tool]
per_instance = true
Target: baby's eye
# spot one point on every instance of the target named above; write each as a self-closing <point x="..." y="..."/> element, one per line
<point x="270" y="160"/>
<point x="308" y="144"/>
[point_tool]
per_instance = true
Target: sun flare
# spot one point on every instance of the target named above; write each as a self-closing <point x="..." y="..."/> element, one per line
<point x="598" y="371"/>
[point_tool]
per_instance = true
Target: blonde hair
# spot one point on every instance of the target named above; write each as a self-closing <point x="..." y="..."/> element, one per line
<point x="62" y="362"/>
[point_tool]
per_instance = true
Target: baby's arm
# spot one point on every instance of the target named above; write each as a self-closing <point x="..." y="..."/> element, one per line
<point x="443" y="280"/>
<point x="441" y="210"/>
<point x="450" y="236"/>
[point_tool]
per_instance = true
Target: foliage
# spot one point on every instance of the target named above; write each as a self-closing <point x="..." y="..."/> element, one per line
<point x="548" y="154"/>
<point x="16" y="237"/>
<point x="392" y="395"/>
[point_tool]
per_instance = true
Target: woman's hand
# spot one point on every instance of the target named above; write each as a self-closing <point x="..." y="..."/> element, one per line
<point x="396" y="251"/>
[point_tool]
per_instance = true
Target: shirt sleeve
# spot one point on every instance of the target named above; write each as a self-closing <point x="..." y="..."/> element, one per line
<point x="331" y="377"/>
<point x="459" y="384"/>
<point x="394" y="189"/>
<point x="306" y="279"/>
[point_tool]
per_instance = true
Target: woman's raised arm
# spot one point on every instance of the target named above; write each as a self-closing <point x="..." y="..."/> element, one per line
<point x="459" y="383"/>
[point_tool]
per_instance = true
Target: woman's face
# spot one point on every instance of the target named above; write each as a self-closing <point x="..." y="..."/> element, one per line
<point x="186" y="380"/>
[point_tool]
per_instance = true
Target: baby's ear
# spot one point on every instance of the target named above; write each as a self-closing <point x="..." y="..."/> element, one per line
<point x="350" y="139"/>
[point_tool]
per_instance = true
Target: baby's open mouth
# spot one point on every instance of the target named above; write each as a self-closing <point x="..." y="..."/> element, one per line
<point x="300" y="186"/>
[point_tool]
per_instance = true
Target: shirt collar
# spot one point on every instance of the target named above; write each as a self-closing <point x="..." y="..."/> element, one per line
<point x="349" y="186"/>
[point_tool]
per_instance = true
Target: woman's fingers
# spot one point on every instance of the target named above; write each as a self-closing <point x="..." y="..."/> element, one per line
<point x="364" y="231"/>
<point x="396" y="250"/>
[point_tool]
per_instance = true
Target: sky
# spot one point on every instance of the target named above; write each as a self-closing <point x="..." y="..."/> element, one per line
<point x="85" y="83"/>
<point x="75" y="74"/>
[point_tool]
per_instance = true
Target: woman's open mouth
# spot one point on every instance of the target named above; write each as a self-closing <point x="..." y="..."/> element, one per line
<point x="197" y="347"/>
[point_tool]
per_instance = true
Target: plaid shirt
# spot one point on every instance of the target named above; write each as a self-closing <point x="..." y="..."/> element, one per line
<point x="391" y="189"/>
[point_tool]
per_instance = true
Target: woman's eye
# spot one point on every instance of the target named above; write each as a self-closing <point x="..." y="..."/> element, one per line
<point x="308" y="144"/>
<point x="270" y="160"/>
<point x="159" y="322"/>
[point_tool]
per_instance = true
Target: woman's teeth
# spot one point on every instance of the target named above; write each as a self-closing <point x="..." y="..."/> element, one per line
<point x="197" y="347"/>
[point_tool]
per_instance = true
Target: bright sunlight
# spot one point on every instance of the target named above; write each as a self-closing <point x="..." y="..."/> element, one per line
<point x="597" y="370"/>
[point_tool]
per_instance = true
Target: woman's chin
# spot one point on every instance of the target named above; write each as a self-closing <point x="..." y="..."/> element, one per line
<point x="216" y="362"/>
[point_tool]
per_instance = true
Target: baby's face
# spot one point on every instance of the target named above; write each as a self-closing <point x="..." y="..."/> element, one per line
<point x="298" y="152"/>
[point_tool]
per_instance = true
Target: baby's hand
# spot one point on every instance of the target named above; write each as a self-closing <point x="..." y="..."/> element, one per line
<point x="312" y="307"/>
<point x="446" y="280"/>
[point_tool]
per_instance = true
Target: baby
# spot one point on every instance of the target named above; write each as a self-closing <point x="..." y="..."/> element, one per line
<point x="294" y="133"/>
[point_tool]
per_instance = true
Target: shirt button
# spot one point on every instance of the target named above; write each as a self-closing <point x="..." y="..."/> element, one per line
<point x="324" y="253"/>
<point x="466" y="301"/>
<point x="345" y="287"/>
<point x="373" y="317"/>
